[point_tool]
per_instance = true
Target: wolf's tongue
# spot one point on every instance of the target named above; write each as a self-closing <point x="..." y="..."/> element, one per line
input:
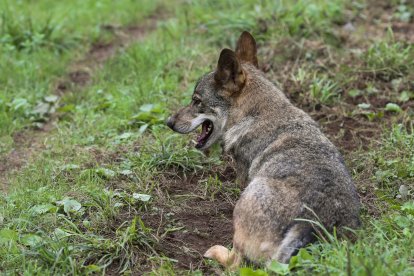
<point x="203" y="132"/>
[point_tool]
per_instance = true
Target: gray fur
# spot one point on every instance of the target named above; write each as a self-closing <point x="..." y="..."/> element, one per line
<point x="282" y="156"/>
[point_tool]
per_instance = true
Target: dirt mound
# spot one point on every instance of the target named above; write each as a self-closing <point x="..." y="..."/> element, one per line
<point x="189" y="220"/>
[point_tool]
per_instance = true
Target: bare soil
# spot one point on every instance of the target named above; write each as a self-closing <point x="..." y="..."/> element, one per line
<point x="200" y="220"/>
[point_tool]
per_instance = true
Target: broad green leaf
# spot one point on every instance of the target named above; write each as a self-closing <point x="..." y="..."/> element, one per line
<point x="141" y="197"/>
<point x="66" y="108"/>
<point x="86" y="223"/>
<point x="69" y="167"/>
<point x="146" y="107"/>
<point x="7" y="235"/>
<point x="126" y="172"/>
<point x="279" y="268"/>
<point x="70" y="205"/>
<point x="303" y="254"/>
<point x="125" y="135"/>
<point x="247" y="271"/>
<point x="408" y="206"/>
<point x="60" y="233"/>
<point x="364" y="106"/>
<point x="51" y="98"/>
<point x="157" y="109"/>
<point x="41" y="109"/>
<point x="143" y="128"/>
<point x="393" y="107"/>
<point x="31" y="240"/>
<point x="92" y="269"/>
<point x="370" y="115"/>
<point x="294" y="261"/>
<point x="402" y="221"/>
<point x="19" y="103"/>
<point x="407" y="232"/>
<point x="42" y="209"/>
<point x="104" y="172"/>
<point x="404" y="96"/>
<point x="151" y="108"/>
<point x="354" y="93"/>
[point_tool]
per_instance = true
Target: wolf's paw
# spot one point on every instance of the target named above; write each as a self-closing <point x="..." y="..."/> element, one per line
<point x="217" y="252"/>
<point x="225" y="257"/>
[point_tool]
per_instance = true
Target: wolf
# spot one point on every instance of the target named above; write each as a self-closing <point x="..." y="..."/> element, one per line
<point x="294" y="174"/>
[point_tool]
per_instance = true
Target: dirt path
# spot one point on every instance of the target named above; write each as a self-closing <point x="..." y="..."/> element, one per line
<point x="28" y="143"/>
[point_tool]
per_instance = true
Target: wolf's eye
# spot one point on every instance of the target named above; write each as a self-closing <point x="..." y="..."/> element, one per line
<point x="196" y="102"/>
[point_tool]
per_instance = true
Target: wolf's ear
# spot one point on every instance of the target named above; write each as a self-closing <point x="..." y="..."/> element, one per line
<point x="246" y="49"/>
<point x="229" y="73"/>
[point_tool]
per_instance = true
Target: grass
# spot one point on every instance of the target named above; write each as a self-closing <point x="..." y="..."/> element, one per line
<point x="395" y="165"/>
<point x="323" y="90"/>
<point x="37" y="43"/>
<point x="389" y="59"/>
<point x="113" y="190"/>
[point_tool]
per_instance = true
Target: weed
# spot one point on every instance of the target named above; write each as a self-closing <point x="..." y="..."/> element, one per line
<point x="212" y="186"/>
<point x="304" y="17"/>
<point x="23" y="34"/>
<point x="404" y="11"/>
<point x="389" y="59"/>
<point x="301" y="76"/>
<point x="324" y="91"/>
<point x="395" y="164"/>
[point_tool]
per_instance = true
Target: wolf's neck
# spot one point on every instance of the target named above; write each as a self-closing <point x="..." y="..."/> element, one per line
<point x="239" y="141"/>
<point x="235" y="134"/>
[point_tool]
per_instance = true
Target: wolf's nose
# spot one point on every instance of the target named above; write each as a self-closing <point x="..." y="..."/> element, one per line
<point x="170" y="122"/>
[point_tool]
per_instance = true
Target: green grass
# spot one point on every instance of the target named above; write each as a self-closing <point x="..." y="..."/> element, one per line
<point x="323" y="90"/>
<point x="389" y="59"/>
<point x="86" y="204"/>
<point x="38" y="40"/>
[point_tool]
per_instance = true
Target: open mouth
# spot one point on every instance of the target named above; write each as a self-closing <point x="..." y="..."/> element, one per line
<point x="206" y="131"/>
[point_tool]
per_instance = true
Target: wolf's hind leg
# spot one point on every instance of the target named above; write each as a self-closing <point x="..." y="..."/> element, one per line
<point x="297" y="237"/>
<point x="229" y="259"/>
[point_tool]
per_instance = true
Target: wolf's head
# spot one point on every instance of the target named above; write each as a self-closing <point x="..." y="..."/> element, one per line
<point x="215" y="94"/>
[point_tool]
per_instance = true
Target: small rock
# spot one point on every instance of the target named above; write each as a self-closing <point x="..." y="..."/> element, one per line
<point x="349" y="27"/>
<point x="403" y="191"/>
